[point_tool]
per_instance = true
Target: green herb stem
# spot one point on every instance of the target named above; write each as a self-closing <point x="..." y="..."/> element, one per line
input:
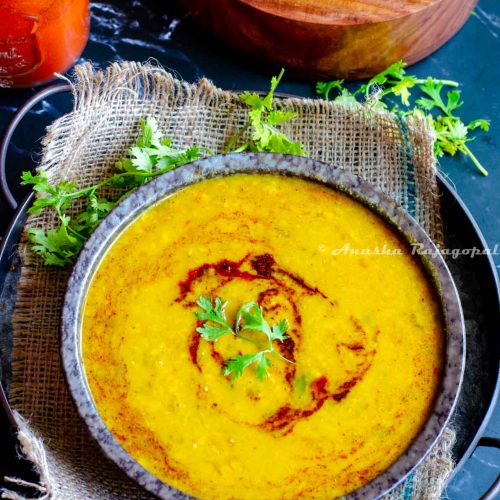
<point x="248" y="339"/>
<point x="448" y="83"/>
<point x="235" y="138"/>
<point x="470" y="154"/>
<point x="276" y="353"/>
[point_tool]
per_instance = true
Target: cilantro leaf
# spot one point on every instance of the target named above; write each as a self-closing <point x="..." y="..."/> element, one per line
<point x="324" y="88"/>
<point x="97" y="208"/>
<point x="279" y="330"/>
<point x="150" y="133"/>
<point x="237" y="364"/>
<point x="394" y="71"/>
<point x="402" y="88"/>
<point x="57" y="197"/>
<point x="215" y="314"/>
<point x="392" y="80"/>
<point x="141" y="159"/>
<point x="264" y="119"/>
<point x="213" y="332"/>
<point x="234" y="366"/>
<point x="346" y="98"/>
<point x="276" y="117"/>
<point x="262" y="366"/>
<point x="450" y="134"/>
<point x="479" y="123"/>
<point x="250" y="317"/>
<point x="432" y="88"/>
<point x="38" y="182"/>
<point x="56" y="246"/>
<point x="212" y="312"/>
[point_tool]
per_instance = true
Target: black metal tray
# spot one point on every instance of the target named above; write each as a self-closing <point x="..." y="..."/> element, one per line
<point x="476" y="280"/>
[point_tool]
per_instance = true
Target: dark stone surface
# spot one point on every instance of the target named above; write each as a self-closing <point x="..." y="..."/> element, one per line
<point x="140" y="30"/>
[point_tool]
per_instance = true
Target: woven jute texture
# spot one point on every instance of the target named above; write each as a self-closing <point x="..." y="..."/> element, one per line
<point x="84" y="145"/>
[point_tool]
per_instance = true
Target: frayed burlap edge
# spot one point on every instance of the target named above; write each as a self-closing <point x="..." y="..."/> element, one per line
<point x="143" y="90"/>
<point x="33" y="450"/>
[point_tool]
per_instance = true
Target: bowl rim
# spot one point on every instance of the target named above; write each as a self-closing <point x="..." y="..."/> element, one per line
<point x="131" y="207"/>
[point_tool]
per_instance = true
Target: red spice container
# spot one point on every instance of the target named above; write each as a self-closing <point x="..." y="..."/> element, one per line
<point x="39" y="38"/>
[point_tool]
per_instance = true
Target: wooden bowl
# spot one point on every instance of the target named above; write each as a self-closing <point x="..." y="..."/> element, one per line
<point x="333" y="38"/>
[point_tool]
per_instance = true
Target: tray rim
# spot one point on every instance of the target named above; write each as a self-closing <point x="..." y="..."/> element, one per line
<point x="496" y="282"/>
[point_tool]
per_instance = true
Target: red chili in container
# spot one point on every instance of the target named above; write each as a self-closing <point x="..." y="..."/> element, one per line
<point x="39" y="38"/>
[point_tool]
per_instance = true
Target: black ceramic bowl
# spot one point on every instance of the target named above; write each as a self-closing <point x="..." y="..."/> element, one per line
<point x="146" y="196"/>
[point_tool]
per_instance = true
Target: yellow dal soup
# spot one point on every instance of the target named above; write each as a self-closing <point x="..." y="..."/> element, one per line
<point x="366" y="337"/>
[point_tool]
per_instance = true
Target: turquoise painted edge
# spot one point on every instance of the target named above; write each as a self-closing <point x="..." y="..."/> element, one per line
<point x="408" y="487"/>
<point x="409" y="167"/>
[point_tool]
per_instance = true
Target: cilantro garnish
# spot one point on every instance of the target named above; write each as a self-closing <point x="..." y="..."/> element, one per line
<point x="249" y="317"/>
<point x="264" y="121"/>
<point x="151" y="156"/>
<point x="451" y="133"/>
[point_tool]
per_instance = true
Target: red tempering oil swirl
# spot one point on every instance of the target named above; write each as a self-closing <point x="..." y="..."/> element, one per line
<point x="39" y="38"/>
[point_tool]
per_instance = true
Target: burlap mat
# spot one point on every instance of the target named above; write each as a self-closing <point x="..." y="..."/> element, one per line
<point x="84" y="146"/>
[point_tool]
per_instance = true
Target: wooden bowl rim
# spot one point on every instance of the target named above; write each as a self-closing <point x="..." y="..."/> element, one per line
<point x="350" y="18"/>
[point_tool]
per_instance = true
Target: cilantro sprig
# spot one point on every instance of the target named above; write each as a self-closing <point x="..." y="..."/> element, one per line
<point x="451" y="133"/>
<point x="250" y="317"/>
<point x="151" y="156"/>
<point x="264" y="121"/>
